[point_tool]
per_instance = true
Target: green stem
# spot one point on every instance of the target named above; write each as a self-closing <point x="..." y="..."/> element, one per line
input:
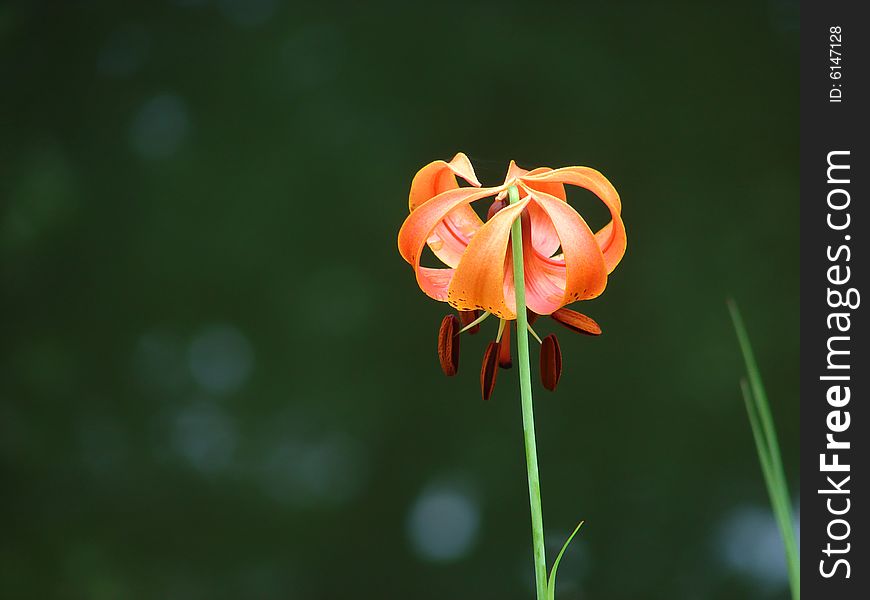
<point x="526" y="396"/>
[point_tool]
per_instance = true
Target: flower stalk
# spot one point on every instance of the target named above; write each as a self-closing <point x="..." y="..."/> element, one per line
<point x="526" y="399"/>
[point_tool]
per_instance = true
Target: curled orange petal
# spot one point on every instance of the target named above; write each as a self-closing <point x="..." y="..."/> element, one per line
<point x="544" y="236"/>
<point x="514" y="172"/>
<point x="611" y="238"/>
<point x="479" y="280"/>
<point x="417" y="229"/>
<point x="439" y="176"/>
<point x="449" y="237"/>
<point x="544" y="278"/>
<point x="585" y="273"/>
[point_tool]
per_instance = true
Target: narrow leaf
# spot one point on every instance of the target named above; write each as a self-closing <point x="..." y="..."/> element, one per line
<point x="551" y="584"/>
<point x="764" y="434"/>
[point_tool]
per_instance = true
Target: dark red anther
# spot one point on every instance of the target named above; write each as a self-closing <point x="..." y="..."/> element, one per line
<point x="448" y="345"/>
<point x="576" y="321"/>
<point x="504" y="348"/>
<point x="466" y="317"/>
<point x="531" y="316"/>
<point x="489" y="370"/>
<point x="551" y="362"/>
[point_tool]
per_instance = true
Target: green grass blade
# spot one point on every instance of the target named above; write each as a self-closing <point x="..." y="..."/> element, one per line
<point x="781" y="513"/>
<point x="551" y="584"/>
<point x="758" y="436"/>
<point x="764" y="433"/>
<point x="759" y="393"/>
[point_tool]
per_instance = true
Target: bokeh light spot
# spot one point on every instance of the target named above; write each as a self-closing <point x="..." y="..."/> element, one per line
<point x="221" y="359"/>
<point x="443" y="524"/>
<point x="160" y="127"/>
<point x="125" y="52"/>
<point x="323" y="472"/>
<point x="159" y="362"/>
<point x="204" y="436"/>
<point x="247" y="13"/>
<point x="41" y="200"/>
<point x="749" y="543"/>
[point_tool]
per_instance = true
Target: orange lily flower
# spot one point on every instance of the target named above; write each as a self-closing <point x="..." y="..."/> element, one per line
<point x="564" y="261"/>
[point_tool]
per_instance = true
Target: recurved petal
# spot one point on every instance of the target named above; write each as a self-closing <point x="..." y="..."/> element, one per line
<point x="611" y="238"/>
<point x="439" y="176"/>
<point x="584" y="177"/>
<point x="448" y="345"/>
<point x="613" y="242"/>
<point x="545" y="282"/>
<point x="418" y="227"/>
<point x="434" y="282"/>
<point x="548" y="187"/>
<point x="544" y="237"/>
<point x="551" y="362"/>
<point x="419" y="224"/>
<point x="544" y="277"/>
<point x="585" y="270"/>
<point x="479" y="280"/>
<point x="449" y="238"/>
<point x="576" y="321"/>
<point x="489" y="370"/>
<point x="514" y="172"/>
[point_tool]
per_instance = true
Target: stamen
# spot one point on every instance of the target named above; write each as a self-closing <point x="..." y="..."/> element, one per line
<point x="468" y="318"/>
<point x="497" y="205"/>
<point x="474" y="323"/>
<point x="532" y="331"/>
<point x="551" y="362"/>
<point x="576" y="321"/>
<point x="448" y="345"/>
<point x="501" y="323"/>
<point x="504" y="348"/>
<point x="489" y="370"/>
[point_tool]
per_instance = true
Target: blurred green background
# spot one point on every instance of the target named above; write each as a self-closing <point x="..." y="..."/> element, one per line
<point x="218" y="378"/>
